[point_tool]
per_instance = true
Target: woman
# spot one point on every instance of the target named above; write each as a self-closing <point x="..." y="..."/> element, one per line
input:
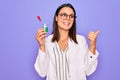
<point x="64" y="55"/>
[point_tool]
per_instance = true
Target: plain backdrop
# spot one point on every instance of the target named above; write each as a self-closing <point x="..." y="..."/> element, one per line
<point x="18" y="26"/>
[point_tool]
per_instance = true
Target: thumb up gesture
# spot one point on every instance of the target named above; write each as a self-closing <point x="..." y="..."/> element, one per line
<point x="92" y="36"/>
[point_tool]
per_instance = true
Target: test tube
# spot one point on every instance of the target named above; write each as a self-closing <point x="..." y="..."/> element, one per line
<point x="45" y="27"/>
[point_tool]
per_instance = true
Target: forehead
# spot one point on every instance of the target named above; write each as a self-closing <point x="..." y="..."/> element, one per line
<point x="67" y="10"/>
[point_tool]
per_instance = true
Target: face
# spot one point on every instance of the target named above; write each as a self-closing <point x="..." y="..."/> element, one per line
<point x="65" y="18"/>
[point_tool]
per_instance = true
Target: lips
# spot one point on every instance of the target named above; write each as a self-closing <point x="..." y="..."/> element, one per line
<point x="66" y="23"/>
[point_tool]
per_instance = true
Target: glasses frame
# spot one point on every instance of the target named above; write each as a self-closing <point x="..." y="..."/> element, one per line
<point x="65" y="16"/>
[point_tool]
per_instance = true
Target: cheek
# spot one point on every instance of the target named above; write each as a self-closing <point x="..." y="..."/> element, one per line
<point x="72" y="23"/>
<point x="59" y="22"/>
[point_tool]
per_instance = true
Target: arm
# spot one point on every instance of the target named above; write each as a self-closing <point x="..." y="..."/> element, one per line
<point x="41" y="63"/>
<point x="42" y="58"/>
<point x="91" y="59"/>
<point x="91" y="62"/>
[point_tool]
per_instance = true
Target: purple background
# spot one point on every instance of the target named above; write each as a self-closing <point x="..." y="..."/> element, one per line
<point x="18" y="26"/>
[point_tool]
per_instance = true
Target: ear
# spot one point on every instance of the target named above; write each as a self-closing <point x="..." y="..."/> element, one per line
<point x="56" y="18"/>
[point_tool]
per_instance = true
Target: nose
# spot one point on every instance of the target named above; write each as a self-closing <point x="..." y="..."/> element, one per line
<point x="68" y="17"/>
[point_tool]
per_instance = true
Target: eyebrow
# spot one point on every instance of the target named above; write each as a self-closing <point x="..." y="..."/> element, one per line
<point x="66" y="13"/>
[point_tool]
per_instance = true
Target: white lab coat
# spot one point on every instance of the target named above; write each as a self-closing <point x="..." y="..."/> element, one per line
<point x="81" y="61"/>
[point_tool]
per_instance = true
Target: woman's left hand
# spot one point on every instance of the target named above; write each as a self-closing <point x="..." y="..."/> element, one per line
<point x="92" y="36"/>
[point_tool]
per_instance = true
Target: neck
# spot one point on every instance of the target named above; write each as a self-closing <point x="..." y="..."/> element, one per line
<point x="63" y="35"/>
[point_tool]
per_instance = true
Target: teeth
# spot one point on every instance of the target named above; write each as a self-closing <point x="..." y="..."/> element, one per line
<point x="66" y="23"/>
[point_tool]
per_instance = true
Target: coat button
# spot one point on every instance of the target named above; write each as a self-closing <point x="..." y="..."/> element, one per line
<point x="91" y="57"/>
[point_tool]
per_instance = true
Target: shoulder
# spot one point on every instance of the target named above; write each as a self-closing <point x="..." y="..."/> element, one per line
<point x="80" y="38"/>
<point x="48" y="41"/>
<point x="49" y="38"/>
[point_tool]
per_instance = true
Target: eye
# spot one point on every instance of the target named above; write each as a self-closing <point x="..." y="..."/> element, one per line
<point x="64" y="14"/>
<point x="71" y="16"/>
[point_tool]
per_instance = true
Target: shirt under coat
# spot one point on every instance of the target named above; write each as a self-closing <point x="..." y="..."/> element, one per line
<point x="81" y="61"/>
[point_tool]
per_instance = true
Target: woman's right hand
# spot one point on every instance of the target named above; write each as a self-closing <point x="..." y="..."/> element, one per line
<point x="40" y="37"/>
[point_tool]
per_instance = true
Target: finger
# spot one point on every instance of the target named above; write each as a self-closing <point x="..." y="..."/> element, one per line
<point x="40" y="30"/>
<point x="91" y="37"/>
<point x="41" y="33"/>
<point x="42" y="37"/>
<point x="97" y="32"/>
<point x="92" y="34"/>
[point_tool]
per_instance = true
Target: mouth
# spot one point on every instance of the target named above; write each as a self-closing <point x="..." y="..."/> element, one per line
<point x="66" y="23"/>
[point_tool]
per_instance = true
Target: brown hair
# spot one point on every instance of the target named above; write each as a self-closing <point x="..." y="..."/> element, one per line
<point x="72" y="31"/>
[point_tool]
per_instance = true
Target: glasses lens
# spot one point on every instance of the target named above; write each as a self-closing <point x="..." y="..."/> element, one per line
<point x="65" y="16"/>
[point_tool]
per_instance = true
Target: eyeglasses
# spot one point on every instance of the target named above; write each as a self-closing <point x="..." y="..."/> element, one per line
<point x="65" y="16"/>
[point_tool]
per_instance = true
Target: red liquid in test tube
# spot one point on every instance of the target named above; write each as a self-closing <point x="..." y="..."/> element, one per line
<point x="44" y="26"/>
<point x="38" y="17"/>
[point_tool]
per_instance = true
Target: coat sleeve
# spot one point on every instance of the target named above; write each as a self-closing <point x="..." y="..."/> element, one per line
<point x="90" y="59"/>
<point x="41" y="63"/>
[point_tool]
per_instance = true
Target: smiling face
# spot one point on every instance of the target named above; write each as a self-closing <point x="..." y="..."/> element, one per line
<point x="65" y="18"/>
